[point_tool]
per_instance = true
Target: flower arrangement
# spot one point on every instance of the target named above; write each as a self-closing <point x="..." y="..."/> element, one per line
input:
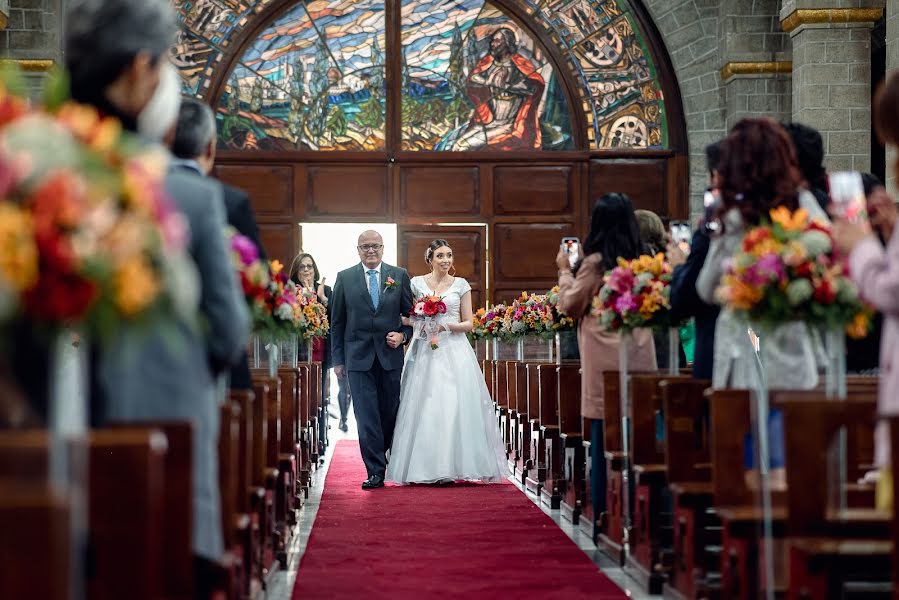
<point x="252" y="272"/>
<point x="275" y="317"/>
<point x="634" y="294"/>
<point x="561" y="321"/>
<point x="429" y="308"/>
<point x="786" y="270"/>
<point x="537" y="315"/>
<point x="88" y="237"/>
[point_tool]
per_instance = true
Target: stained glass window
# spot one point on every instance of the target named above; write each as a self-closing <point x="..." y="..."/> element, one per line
<point x="472" y="78"/>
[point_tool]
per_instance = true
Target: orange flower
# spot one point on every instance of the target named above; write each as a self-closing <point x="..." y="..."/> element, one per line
<point x="859" y="326"/>
<point x="18" y="252"/>
<point x="740" y="295"/>
<point x="136" y="286"/>
<point x="277" y="267"/>
<point x="790" y="221"/>
<point x="100" y="133"/>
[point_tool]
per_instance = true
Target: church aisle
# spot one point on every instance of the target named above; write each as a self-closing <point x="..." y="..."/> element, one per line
<point x="425" y="541"/>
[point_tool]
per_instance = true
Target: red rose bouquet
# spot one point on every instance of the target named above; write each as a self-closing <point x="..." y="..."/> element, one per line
<point x="429" y="309"/>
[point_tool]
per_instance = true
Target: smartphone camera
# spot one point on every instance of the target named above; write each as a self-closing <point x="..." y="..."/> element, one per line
<point x="572" y="247"/>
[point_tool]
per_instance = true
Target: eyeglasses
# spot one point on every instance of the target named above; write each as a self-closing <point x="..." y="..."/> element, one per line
<point x="370" y="247"/>
<point x="305" y="268"/>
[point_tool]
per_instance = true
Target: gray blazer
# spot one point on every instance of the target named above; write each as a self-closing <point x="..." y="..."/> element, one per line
<point x="164" y="374"/>
<point x="358" y="331"/>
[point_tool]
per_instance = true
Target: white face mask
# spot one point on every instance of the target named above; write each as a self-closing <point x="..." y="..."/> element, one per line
<point x="160" y="113"/>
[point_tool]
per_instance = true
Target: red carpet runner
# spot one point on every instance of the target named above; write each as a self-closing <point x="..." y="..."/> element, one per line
<point x="477" y="541"/>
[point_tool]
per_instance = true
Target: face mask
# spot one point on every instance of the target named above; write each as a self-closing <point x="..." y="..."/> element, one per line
<point x="160" y="113"/>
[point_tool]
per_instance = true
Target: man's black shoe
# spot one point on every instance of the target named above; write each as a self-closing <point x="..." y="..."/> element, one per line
<point x="375" y="481"/>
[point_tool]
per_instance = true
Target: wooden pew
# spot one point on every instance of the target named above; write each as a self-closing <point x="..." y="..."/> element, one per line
<point x="501" y="396"/>
<point x="315" y="403"/>
<point x="250" y="501"/>
<point x="571" y="438"/>
<point x="36" y="541"/>
<point x="304" y="426"/>
<point x="514" y="414"/>
<point x="611" y="534"/>
<point x="551" y="407"/>
<point x="264" y="474"/>
<point x="127" y="513"/>
<point x="523" y="460"/>
<point x="542" y="402"/>
<point x="287" y="450"/>
<point x="829" y="547"/>
<point x="236" y="526"/>
<point x="650" y="477"/>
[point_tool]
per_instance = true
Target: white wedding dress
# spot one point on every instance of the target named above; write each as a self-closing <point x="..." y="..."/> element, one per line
<point x="445" y="428"/>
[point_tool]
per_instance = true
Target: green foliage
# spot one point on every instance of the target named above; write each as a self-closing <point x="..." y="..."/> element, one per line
<point x="371" y="114"/>
<point x="56" y="89"/>
<point x="459" y="109"/>
<point x="337" y="121"/>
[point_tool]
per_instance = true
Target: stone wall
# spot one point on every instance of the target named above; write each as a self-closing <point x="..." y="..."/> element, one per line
<point x="33" y="33"/>
<point x="892" y="38"/>
<point x="689" y="29"/>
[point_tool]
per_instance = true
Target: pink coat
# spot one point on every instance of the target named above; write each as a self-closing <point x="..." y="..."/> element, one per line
<point x="876" y="271"/>
<point x="599" y="350"/>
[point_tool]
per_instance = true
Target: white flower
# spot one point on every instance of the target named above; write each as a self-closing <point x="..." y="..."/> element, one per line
<point x="284" y="312"/>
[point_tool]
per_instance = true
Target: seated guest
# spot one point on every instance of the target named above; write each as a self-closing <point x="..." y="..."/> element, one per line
<point x="613" y="233"/>
<point x="655" y="238"/>
<point x="193" y="144"/>
<point x="876" y="271"/>
<point x="685" y="302"/>
<point x="116" y="53"/>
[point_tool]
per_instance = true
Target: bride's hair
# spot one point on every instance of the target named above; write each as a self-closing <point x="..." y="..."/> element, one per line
<point x="429" y="253"/>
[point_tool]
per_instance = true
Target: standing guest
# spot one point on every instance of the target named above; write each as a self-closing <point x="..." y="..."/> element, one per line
<point x="304" y="272"/>
<point x="685" y="302"/>
<point x="115" y="52"/>
<point x="876" y="271"/>
<point x="613" y="233"/>
<point x="757" y="172"/>
<point x="863" y="355"/>
<point x="809" y="147"/>
<point x="656" y="240"/>
<point x="193" y="144"/>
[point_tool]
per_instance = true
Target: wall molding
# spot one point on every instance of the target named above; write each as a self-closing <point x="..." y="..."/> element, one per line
<point x="815" y="16"/>
<point x="771" y="67"/>
<point x="30" y="65"/>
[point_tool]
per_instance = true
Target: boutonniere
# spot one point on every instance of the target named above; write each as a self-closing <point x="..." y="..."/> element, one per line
<point x="390" y="283"/>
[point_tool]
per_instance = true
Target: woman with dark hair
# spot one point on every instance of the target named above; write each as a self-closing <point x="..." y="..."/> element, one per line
<point x="304" y="272"/>
<point x="876" y="271"/>
<point x="445" y="427"/>
<point x="613" y="233"/>
<point x="757" y="172"/>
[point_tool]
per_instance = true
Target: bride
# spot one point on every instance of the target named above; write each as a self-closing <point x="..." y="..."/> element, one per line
<point x="445" y="428"/>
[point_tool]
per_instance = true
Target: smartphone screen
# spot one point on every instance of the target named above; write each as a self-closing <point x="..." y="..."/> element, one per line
<point x="847" y="195"/>
<point x="681" y="234"/>
<point x="572" y="247"/>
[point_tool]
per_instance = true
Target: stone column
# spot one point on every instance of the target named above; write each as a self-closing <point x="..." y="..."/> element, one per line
<point x="832" y="75"/>
<point x="755" y="60"/>
<point x="892" y="39"/>
<point x="30" y="35"/>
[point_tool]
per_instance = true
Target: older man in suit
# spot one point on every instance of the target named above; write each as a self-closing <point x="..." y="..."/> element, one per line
<point x="367" y="338"/>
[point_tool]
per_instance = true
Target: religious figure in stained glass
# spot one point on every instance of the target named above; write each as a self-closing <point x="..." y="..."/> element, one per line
<point x="505" y="89"/>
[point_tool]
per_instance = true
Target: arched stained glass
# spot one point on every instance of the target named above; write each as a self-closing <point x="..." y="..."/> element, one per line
<point x="472" y="77"/>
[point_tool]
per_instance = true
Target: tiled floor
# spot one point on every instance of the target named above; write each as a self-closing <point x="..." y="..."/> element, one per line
<point x="282" y="582"/>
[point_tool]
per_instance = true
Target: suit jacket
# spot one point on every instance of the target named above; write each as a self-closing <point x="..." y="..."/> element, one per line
<point x="164" y="373"/>
<point x="241" y="216"/>
<point x="358" y="331"/>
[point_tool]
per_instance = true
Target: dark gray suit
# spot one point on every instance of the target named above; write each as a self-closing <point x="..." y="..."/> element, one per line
<point x="164" y="373"/>
<point x="374" y="369"/>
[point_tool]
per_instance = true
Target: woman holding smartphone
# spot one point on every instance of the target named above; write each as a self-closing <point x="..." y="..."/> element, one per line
<point x="613" y="234"/>
<point x="876" y="271"/>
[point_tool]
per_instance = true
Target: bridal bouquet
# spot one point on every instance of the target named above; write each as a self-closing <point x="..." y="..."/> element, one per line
<point x="88" y="237"/>
<point x="429" y="308"/>
<point x="785" y="271"/>
<point x="634" y="294"/>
